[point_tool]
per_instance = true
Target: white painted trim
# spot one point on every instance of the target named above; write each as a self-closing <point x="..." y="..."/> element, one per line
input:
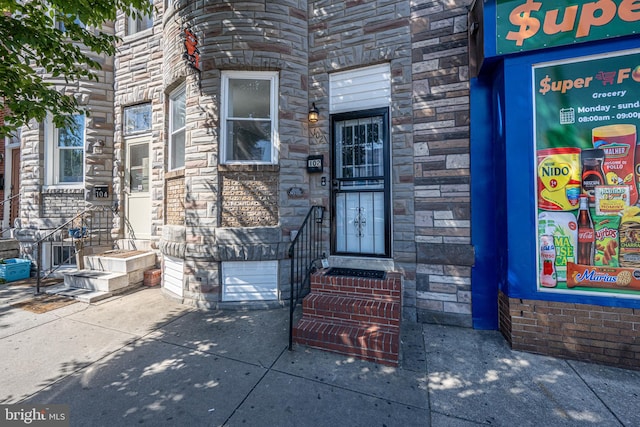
<point x="360" y="89"/>
<point x="272" y="76"/>
<point x="180" y="90"/>
<point x="173" y="275"/>
<point x="52" y="156"/>
<point x="249" y="281"/>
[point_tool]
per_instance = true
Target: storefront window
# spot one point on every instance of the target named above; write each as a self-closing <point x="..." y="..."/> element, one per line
<point x="587" y="112"/>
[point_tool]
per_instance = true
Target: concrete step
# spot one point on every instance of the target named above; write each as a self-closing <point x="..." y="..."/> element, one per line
<point x="388" y="289"/>
<point x="120" y="261"/>
<point x="83" y="295"/>
<point x="359" y="311"/>
<point x="374" y="343"/>
<point x="96" y="280"/>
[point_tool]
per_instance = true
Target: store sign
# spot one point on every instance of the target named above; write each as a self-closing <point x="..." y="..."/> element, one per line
<point x="529" y="24"/>
<point x="587" y="163"/>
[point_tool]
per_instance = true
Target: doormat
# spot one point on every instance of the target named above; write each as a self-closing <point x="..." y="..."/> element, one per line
<point x="355" y="272"/>
<point x="43" y="303"/>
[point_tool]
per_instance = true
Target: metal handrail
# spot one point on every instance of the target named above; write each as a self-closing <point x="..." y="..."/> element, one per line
<point x="2" y="203"/>
<point x="78" y="232"/>
<point x="304" y="252"/>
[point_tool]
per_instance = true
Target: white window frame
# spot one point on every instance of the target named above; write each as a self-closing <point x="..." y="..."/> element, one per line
<point x="179" y="91"/>
<point x="131" y="26"/>
<point x="52" y="154"/>
<point x="272" y="77"/>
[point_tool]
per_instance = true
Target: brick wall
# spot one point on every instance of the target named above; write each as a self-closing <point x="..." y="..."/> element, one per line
<point x="249" y="200"/>
<point x="607" y="335"/>
<point x="441" y="163"/>
<point x="174" y="199"/>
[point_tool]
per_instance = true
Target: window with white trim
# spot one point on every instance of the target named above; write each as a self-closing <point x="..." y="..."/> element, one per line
<point x="138" y="24"/>
<point x="65" y="154"/>
<point x="249" y="117"/>
<point x="177" y="121"/>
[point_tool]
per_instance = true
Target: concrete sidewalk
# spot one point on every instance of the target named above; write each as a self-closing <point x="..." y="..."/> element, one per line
<point x="142" y="358"/>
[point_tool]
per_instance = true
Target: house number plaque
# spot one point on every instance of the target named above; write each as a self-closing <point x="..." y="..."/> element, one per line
<point x="314" y="164"/>
<point x="101" y="191"/>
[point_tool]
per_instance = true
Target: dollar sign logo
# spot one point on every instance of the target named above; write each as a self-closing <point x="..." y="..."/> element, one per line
<point x="521" y="16"/>
<point x="544" y="85"/>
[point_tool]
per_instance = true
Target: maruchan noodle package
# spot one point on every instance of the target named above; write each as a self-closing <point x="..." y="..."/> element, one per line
<point x="611" y="199"/>
<point x="606" y="240"/>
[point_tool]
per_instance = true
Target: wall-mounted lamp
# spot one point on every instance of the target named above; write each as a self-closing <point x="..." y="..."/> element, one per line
<point x="314" y="114"/>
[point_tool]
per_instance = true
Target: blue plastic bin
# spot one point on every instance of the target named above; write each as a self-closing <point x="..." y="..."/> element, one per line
<point x="15" y="269"/>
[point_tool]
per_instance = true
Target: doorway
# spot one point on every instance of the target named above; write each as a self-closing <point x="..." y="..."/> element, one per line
<point x="137" y="200"/>
<point x="360" y="214"/>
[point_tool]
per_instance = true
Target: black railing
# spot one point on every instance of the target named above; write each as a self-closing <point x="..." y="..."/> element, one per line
<point x="11" y="200"/>
<point x="305" y="251"/>
<point x="91" y="227"/>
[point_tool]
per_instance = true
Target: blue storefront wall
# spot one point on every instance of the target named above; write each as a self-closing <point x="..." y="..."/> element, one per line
<point x="503" y="171"/>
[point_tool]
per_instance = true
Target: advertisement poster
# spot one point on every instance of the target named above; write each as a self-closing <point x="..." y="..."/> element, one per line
<point x="587" y="118"/>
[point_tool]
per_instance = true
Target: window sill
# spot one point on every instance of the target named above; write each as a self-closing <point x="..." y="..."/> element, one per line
<point x="52" y="189"/>
<point x="178" y="173"/>
<point x="132" y="38"/>
<point x="248" y="168"/>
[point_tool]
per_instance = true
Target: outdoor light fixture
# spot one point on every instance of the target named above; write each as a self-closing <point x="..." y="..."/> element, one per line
<point x="313" y="113"/>
<point x="319" y="214"/>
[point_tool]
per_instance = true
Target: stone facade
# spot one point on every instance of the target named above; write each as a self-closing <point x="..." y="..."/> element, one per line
<point x="441" y="162"/>
<point x="210" y="213"/>
<point x="345" y="35"/>
<point x="44" y="206"/>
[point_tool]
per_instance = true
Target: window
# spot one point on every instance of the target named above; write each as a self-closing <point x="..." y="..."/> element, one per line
<point x="137" y="119"/>
<point x="66" y="157"/>
<point x="249" y="117"/>
<point x="59" y="24"/>
<point x="135" y="25"/>
<point x="177" y="119"/>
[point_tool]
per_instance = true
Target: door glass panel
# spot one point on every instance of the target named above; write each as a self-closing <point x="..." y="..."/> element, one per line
<point x="360" y="186"/>
<point x="359" y="148"/>
<point x="139" y="168"/>
<point x="360" y="222"/>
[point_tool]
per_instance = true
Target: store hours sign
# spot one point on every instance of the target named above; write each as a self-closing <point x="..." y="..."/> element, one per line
<point x="587" y="117"/>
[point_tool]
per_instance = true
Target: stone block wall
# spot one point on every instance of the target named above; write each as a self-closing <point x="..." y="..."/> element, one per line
<point x="593" y="333"/>
<point x="40" y="199"/>
<point x="138" y="80"/>
<point x="350" y="34"/>
<point x="441" y="164"/>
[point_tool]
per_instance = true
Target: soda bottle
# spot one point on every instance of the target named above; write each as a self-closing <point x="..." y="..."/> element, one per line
<point x="548" y="275"/>
<point x="586" y="235"/>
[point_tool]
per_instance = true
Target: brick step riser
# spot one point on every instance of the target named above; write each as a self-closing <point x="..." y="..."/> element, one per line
<point x="389" y="288"/>
<point x="363" y="316"/>
<point x="380" y="347"/>
<point x="383" y="358"/>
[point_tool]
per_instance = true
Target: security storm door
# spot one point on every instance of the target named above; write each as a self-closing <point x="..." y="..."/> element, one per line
<point x="360" y="184"/>
<point x="137" y="196"/>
